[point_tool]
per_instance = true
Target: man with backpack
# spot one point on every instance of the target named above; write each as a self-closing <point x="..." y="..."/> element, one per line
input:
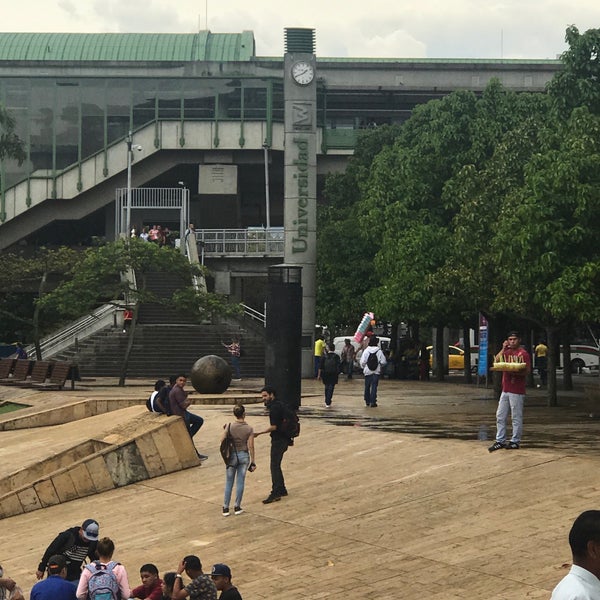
<point x="329" y="370"/>
<point x="283" y="427"/>
<point x="104" y="579"/>
<point x="371" y="361"/>
<point x="75" y="544"/>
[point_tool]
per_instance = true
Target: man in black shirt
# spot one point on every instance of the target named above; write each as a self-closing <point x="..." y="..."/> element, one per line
<point x="221" y="576"/>
<point x="279" y="443"/>
<point x="75" y="544"/>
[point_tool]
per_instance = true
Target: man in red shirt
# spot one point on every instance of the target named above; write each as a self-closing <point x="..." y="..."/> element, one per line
<point x="513" y="393"/>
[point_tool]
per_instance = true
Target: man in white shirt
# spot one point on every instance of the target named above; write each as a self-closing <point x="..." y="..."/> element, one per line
<point x="582" y="582"/>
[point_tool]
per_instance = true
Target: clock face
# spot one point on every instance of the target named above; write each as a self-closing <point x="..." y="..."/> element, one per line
<point x="302" y="72"/>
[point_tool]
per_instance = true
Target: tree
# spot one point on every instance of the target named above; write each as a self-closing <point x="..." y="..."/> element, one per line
<point x="345" y="247"/>
<point x="578" y="84"/>
<point x="11" y="146"/>
<point x="25" y="280"/>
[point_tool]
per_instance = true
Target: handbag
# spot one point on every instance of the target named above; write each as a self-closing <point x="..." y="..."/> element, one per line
<point x="227" y="447"/>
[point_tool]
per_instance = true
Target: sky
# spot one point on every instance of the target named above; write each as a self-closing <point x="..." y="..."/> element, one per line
<point x="344" y="28"/>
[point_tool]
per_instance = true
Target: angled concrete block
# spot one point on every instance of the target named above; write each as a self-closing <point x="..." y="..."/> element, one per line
<point x="99" y="474"/>
<point x="82" y="481"/>
<point x="150" y="455"/>
<point x="164" y="444"/>
<point x="10" y="505"/>
<point x="29" y="499"/>
<point x="126" y="465"/>
<point x="64" y="486"/>
<point x="183" y="445"/>
<point x="46" y="493"/>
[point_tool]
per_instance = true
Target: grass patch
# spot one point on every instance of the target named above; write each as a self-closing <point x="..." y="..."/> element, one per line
<point x="7" y="407"/>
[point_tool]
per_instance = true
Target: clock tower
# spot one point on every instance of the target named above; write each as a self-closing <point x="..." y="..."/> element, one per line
<point x="300" y="160"/>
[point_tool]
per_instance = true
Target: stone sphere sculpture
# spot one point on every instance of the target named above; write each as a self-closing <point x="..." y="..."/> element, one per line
<point x="211" y="375"/>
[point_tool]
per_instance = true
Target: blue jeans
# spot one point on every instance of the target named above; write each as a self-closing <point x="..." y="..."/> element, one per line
<point x="317" y="365"/>
<point x="236" y="469"/>
<point x="329" y="393"/>
<point x="371" y="383"/>
<point x="235" y="365"/>
<point x="193" y="422"/>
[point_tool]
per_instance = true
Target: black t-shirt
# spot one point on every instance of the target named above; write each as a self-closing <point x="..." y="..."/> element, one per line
<point x="230" y="594"/>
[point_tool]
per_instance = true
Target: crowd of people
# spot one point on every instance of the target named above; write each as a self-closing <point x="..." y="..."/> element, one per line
<point x="80" y="565"/>
<point x="157" y="233"/>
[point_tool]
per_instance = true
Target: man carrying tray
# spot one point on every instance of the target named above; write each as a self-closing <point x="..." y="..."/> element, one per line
<point x="514" y="378"/>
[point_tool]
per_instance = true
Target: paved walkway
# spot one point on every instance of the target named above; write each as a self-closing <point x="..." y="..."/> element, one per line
<point x="400" y="501"/>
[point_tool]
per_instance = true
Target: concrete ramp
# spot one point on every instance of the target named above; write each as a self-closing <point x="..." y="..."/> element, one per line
<point x="96" y="453"/>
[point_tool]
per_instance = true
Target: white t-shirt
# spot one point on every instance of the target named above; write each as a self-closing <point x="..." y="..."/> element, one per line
<point x="578" y="584"/>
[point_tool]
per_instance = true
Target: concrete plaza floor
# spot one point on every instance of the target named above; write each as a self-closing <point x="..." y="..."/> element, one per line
<point x="398" y="501"/>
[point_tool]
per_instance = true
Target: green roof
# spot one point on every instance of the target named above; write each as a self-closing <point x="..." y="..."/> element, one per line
<point x="127" y="47"/>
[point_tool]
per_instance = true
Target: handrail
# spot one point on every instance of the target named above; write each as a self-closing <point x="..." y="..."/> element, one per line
<point x="254" y="314"/>
<point x="77" y="330"/>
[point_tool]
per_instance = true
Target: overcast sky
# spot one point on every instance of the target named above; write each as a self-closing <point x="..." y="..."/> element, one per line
<point x="355" y="28"/>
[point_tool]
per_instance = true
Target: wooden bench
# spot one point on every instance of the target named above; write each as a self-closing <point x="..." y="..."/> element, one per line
<point x="6" y="367"/>
<point x="39" y="373"/>
<point x="20" y="372"/>
<point x="58" y="377"/>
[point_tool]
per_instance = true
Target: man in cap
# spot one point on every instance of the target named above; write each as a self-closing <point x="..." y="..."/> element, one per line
<point x="513" y="393"/>
<point x="55" y="587"/>
<point x="75" y="544"/>
<point x="583" y="580"/>
<point x="221" y="576"/>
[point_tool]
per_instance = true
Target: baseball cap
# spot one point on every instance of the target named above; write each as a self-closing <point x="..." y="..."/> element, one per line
<point x="57" y="562"/>
<point x="90" y="530"/>
<point x="221" y="569"/>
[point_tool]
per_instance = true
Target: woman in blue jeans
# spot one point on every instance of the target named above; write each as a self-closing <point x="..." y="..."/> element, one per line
<point x="241" y="461"/>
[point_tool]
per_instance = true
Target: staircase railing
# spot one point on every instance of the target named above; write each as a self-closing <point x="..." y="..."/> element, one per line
<point x="77" y="330"/>
<point x="254" y="314"/>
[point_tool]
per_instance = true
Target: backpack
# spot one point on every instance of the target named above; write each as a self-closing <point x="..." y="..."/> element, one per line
<point x="290" y="423"/>
<point x="330" y="364"/>
<point x="150" y="402"/>
<point x="373" y="361"/>
<point x="103" y="584"/>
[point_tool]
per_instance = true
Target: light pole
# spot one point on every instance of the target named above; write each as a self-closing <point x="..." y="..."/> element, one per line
<point x="267" y="207"/>
<point x="130" y="148"/>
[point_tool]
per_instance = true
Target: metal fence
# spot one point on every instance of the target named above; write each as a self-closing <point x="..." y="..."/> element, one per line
<point x="254" y="241"/>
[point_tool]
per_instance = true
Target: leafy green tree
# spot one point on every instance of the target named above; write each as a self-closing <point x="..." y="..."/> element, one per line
<point x="345" y="247"/>
<point x="24" y="278"/>
<point x="578" y="84"/>
<point x="11" y="146"/>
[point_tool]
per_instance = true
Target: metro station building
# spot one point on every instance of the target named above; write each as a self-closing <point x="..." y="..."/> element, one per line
<point x="209" y="123"/>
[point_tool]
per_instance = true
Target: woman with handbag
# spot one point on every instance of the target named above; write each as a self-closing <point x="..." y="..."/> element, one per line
<point x="239" y="438"/>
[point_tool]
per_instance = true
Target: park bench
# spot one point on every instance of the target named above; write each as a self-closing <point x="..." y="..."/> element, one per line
<point x="58" y="377"/>
<point x="20" y="372"/>
<point x="39" y="373"/>
<point x="6" y="367"/>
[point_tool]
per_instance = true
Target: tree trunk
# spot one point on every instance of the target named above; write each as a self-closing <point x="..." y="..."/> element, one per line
<point x="36" y="319"/>
<point x="567" y="370"/>
<point x="439" y="354"/>
<point x="552" y="337"/>
<point x="128" y="348"/>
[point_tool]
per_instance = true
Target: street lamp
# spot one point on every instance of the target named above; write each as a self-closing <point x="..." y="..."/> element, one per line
<point x="130" y="148"/>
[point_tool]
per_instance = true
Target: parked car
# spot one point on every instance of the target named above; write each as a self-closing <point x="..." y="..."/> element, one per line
<point x="456" y="357"/>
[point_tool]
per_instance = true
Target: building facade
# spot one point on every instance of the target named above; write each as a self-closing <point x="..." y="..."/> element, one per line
<point x="206" y="115"/>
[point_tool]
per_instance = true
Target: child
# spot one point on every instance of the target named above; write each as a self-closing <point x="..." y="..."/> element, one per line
<point x="151" y="587"/>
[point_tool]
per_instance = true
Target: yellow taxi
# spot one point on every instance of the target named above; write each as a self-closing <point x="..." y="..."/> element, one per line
<point x="456" y="357"/>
